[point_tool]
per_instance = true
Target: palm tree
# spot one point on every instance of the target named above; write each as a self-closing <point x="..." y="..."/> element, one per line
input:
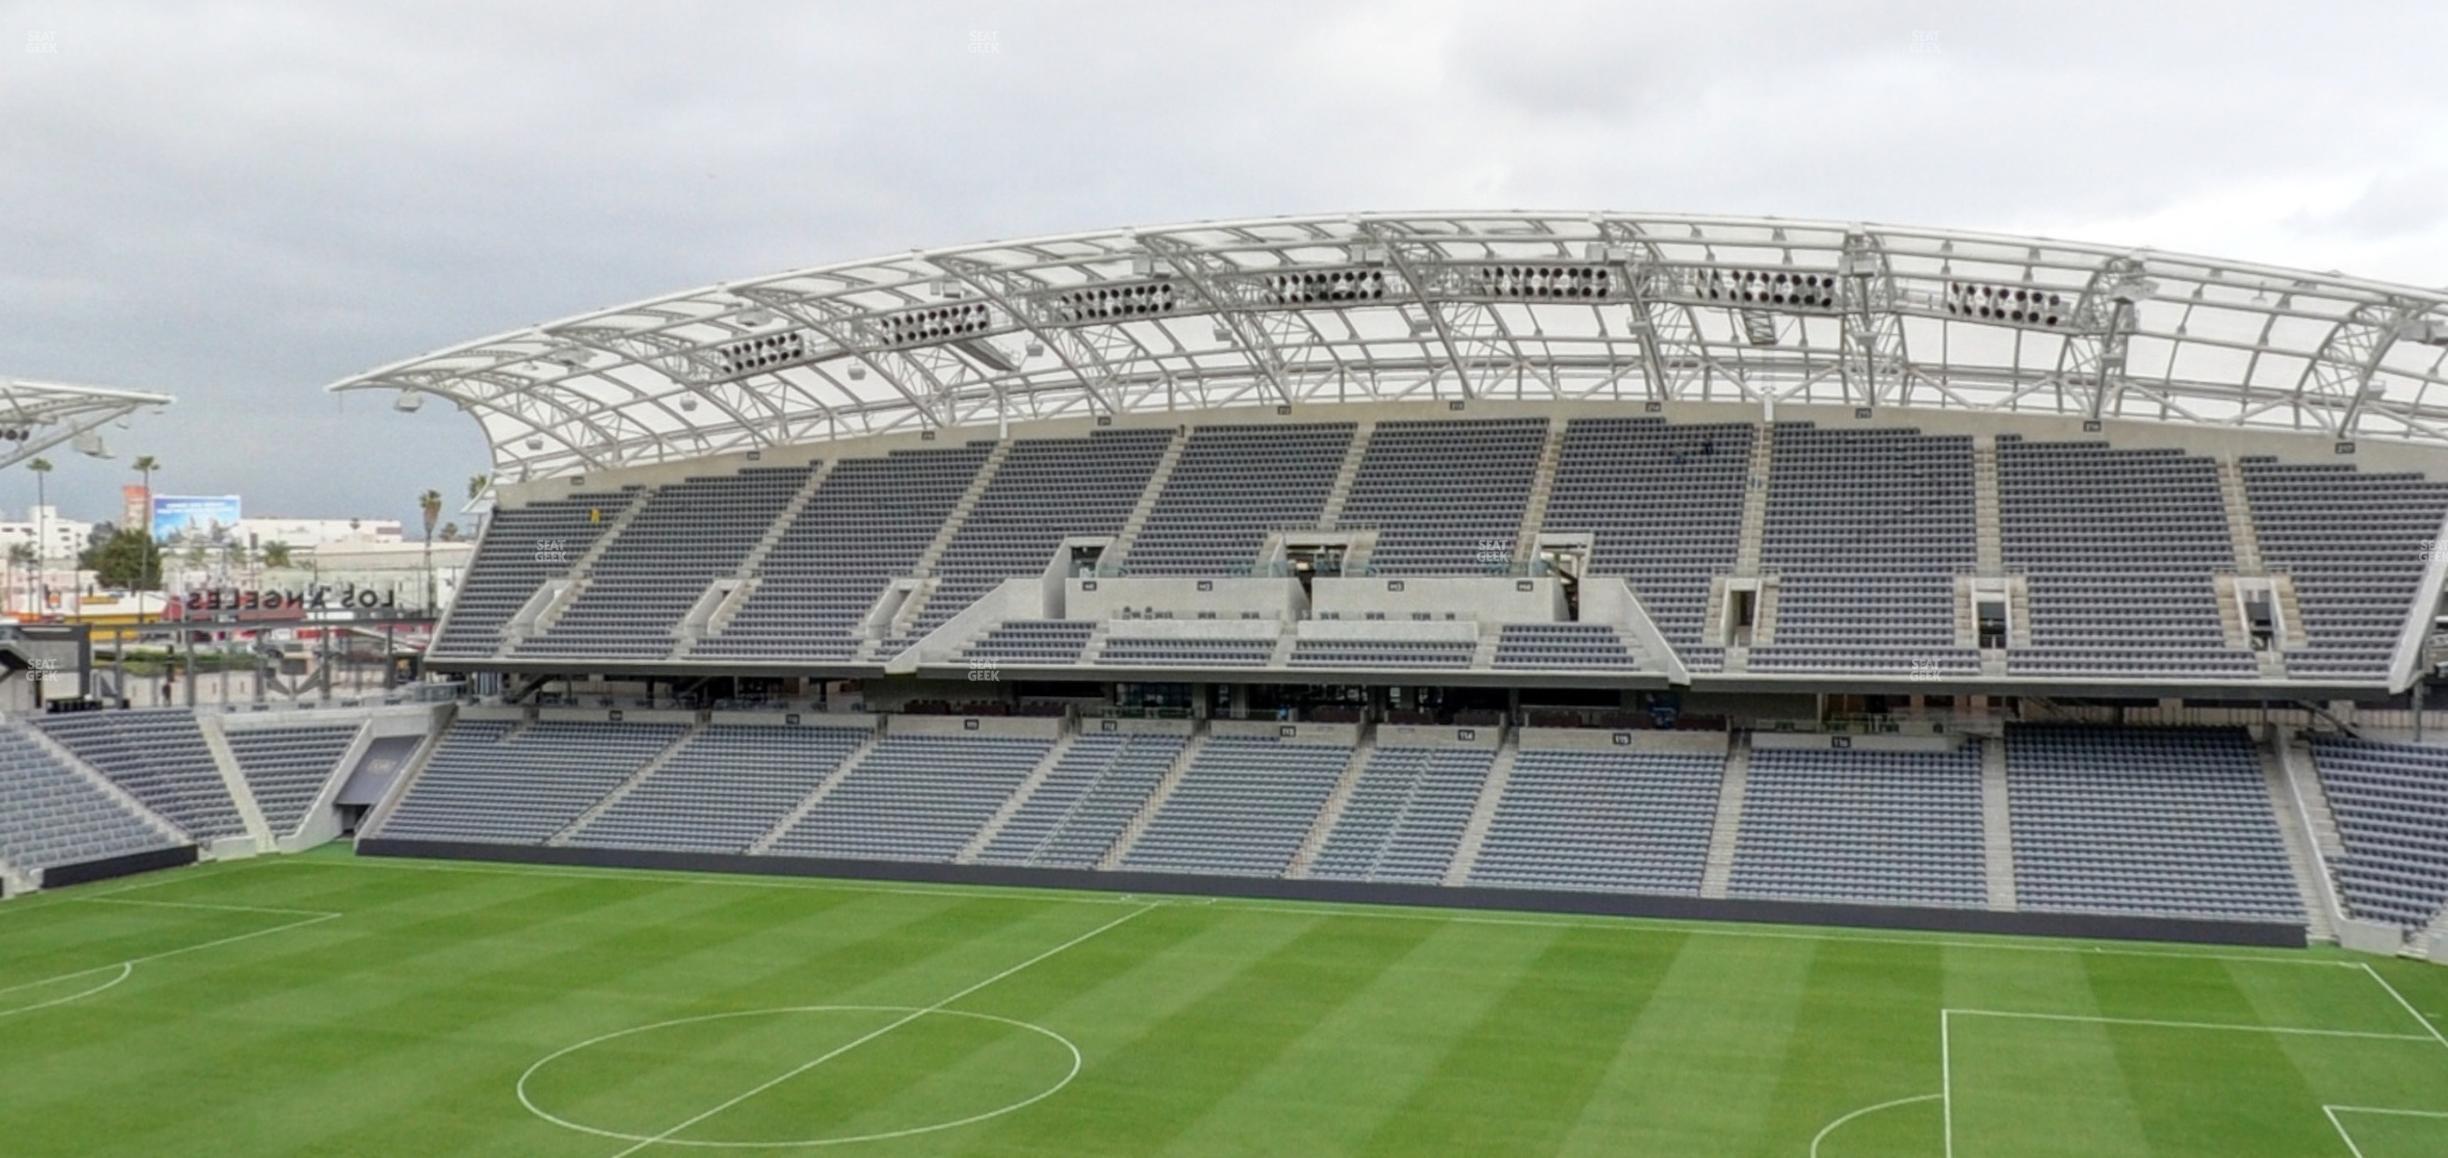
<point x="276" y="554"/>
<point x="476" y="486"/>
<point x="42" y="528"/>
<point x="145" y="465"/>
<point x="431" y="504"/>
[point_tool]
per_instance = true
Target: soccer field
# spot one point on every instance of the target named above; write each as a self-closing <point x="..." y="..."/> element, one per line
<point x="329" y="1005"/>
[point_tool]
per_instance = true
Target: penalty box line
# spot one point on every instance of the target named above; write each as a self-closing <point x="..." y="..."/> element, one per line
<point x="897" y="1023"/>
<point x="2338" y="1123"/>
<point x="127" y="967"/>
<point x="1946" y="1048"/>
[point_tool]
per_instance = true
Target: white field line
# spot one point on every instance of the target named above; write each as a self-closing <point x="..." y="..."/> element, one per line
<point x="1946" y="1077"/>
<point x="1946" y="1064"/>
<point x="871" y="1035"/>
<point x="2230" y="1027"/>
<point x="128" y="967"/>
<point x="1331" y="909"/>
<point x="2339" y="1124"/>
<point x="2412" y="1012"/>
<point x="1864" y="1112"/>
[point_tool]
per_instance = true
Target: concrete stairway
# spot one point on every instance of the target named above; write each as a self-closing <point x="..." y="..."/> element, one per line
<point x="1719" y="872"/>
<point x="754" y="563"/>
<point x="233" y="779"/>
<point x="1483" y="814"/>
<point x="1997" y="826"/>
<point x="2239" y="518"/>
<point x="1542" y="488"/>
<point x="1017" y="800"/>
<point x="1331" y="515"/>
<point x="1991" y="543"/>
<point x="1332" y="813"/>
<point x="1129" y="534"/>
<point x="817" y="794"/>
<point x="626" y="786"/>
<point x="1155" y="803"/>
<point x="1755" y="501"/>
<point x="2314" y="846"/>
<point x="987" y="470"/>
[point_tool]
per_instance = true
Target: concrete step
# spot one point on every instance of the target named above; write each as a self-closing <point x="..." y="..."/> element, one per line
<point x="1155" y="804"/>
<point x="1017" y="800"/>
<point x="1483" y="814"/>
<point x="1332" y="813"/>
<point x="1719" y="873"/>
<point x="1997" y="824"/>
<point x="817" y="794"/>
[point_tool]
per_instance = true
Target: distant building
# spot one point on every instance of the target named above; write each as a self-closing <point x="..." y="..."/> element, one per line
<point x="57" y="536"/>
<point x="309" y="534"/>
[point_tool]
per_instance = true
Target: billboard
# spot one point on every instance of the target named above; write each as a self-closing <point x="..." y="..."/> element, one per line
<point x="200" y="517"/>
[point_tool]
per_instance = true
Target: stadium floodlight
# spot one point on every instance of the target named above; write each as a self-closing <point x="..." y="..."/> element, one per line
<point x="1290" y="324"/>
<point x="90" y="444"/>
<point x="408" y="402"/>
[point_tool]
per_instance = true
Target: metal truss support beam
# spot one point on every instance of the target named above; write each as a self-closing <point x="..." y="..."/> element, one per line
<point x="1476" y="342"/>
<point x="2092" y="364"/>
<point x="1873" y="356"/>
<point x="929" y="383"/>
<point x="2339" y="375"/>
<point x="1216" y="279"/>
<point x="1674" y="356"/>
<point x="1082" y="349"/>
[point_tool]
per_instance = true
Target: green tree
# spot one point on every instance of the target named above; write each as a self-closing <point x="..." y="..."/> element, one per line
<point x="129" y="560"/>
<point x="276" y="554"/>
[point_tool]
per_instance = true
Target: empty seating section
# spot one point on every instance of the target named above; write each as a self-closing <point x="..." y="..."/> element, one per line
<point x="1855" y="824"/>
<point x="1868" y="528"/>
<point x="723" y="790"/>
<point x="1580" y="646"/>
<point x="2158" y="821"/>
<point x="914" y="797"/>
<point x="1663" y="505"/>
<point x="50" y="814"/>
<point x="286" y="768"/>
<point x="1037" y="641"/>
<point x="2118" y="548"/>
<point x="1166" y="652"/>
<point x="2356" y="545"/>
<point x="1085" y="801"/>
<point x="687" y="535"/>
<point x="1604" y="819"/>
<point x="867" y="523"/>
<point x="521" y="549"/>
<point x="160" y="758"/>
<point x="486" y="783"/>
<point x="1046" y="489"/>
<point x="1406" y="815"/>
<point x="1242" y="808"/>
<point x="1446" y="498"/>
<point x="1232" y="486"/>
<point x="2391" y="804"/>
<point x="1383" y="652"/>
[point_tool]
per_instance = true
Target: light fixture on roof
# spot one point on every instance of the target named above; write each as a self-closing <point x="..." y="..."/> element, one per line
<point x="687" y="404"/>
<point x="755" y="318"/>
<point x="408" y="402"/>
<point x="2427" y="331"/>
<point x="90" y="445"/>
<point x="570" y="356"/>
<point x="1036" y="349"/>
<point x="534" y="443"/>
<point x="1143" y="265"/>
<point x="945" y="287"/>
<point x="858" y="373"/>
<point x="1223" y="333"/>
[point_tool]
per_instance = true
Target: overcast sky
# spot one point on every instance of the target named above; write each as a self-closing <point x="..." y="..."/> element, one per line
<point x="238" y="204"/>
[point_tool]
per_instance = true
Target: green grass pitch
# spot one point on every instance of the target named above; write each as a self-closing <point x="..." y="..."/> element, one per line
<point x="330" y="1005"/>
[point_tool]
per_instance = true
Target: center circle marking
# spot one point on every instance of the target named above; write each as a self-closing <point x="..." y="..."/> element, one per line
<point x="929" y="1128"/>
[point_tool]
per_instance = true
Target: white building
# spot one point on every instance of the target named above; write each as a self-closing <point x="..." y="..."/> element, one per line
<point x="308" y="534"/>
<point x="60" y="537"/>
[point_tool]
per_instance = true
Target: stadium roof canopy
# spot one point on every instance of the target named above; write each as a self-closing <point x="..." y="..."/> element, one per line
<point x="1416" y="306"/>
<point x="36" y="416"/>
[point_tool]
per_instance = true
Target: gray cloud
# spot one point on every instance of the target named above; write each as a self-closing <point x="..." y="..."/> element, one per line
<point x="239" y="203"/>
